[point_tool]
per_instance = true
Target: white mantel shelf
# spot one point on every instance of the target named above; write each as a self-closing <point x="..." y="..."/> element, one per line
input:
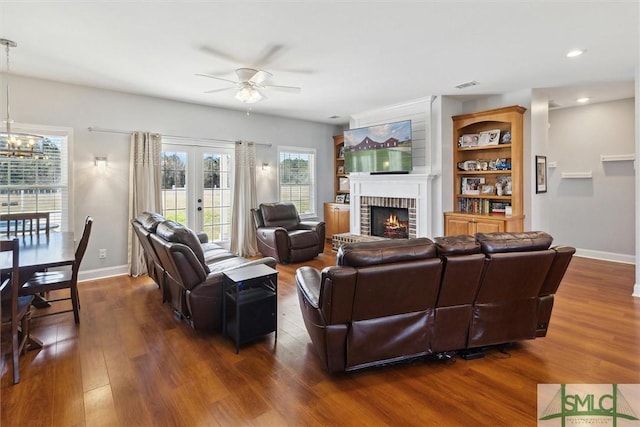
<point x="413" y="185"/>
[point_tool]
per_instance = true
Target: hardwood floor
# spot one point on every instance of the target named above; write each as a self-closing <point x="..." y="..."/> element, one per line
<point x="131" y="363"/>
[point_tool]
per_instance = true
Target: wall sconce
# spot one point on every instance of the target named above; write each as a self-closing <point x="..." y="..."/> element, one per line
<point x="101" y="163"/>
<point x="266" y="167"/>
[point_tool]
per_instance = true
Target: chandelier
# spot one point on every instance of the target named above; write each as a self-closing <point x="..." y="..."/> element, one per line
<point x="16" y="144"/>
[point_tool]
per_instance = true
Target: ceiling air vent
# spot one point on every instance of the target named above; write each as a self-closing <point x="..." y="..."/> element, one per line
<point x="467" y="84"/>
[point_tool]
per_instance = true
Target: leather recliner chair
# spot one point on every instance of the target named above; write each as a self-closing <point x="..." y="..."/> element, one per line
<point x="282" y="235"/>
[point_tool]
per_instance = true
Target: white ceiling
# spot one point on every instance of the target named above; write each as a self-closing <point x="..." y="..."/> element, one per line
<point x="348" y="57"/>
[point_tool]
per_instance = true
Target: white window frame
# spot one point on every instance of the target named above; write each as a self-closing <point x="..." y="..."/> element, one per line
<point x="67" y="213"/>
<point x="313" y="205"/>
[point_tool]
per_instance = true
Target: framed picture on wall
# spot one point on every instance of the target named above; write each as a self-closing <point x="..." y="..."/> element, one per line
<point x="541" y="174"/>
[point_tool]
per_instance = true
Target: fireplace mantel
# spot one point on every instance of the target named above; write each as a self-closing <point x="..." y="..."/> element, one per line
<point x="410" y="186"/>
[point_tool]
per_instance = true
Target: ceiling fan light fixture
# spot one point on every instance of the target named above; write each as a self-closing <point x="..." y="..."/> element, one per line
<point x="249" y="95"/>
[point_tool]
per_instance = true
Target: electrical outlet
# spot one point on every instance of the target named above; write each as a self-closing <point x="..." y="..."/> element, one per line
<point x="102" y="253"/>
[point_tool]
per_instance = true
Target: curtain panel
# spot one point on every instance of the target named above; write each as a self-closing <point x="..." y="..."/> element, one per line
<point x="243" y="234"/>
<point x="144" y="190"/>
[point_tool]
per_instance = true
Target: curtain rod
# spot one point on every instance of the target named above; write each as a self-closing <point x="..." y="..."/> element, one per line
<point x="124" y="132"/>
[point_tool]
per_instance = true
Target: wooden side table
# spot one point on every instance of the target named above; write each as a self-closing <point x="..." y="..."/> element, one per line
<point x="250" y="303"/>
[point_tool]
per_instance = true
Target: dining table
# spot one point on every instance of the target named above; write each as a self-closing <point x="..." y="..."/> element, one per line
<point x="39" y="252"/>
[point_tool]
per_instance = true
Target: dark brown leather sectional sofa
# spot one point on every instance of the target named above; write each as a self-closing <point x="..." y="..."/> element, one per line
<point x="399" y="299"/>
<point x="187" y="268"/>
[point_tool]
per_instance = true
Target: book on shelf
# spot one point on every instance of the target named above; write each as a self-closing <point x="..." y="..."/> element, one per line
<point x="483" y="206"/>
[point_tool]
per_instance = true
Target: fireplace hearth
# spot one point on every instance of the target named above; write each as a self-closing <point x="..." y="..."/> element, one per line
<point x="392" y="223"/>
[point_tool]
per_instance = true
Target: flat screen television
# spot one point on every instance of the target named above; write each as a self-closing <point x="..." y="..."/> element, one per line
<point x="379" y="149"/>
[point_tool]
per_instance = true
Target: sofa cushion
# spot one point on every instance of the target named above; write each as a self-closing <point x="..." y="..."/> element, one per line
<point x="173" y="232"/>
<point x="303" y="239"/>
<point x="492" y="243"/>
<point x="150" y="221"/>
<point x="362" y="254"/>
<point x="280" y="215"/>
<point x="457" y="245"/>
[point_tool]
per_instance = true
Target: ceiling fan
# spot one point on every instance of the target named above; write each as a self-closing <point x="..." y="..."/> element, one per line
<point x="250" y="84"/>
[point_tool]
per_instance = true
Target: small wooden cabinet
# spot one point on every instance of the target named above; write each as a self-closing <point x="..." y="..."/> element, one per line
<point x="336" y="218"/>
<point x="458" y="223"/>
<point x="487" y="172"/>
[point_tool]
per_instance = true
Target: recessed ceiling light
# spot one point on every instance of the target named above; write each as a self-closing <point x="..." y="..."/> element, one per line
<point x="575" y="52"/>
<point x="334" y="117"/>
<point x="582" y="100"/>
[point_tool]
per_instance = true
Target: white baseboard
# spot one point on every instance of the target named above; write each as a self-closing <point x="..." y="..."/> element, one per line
<point x="606" y="256"/>
<point x="636" y="290"/>
<point x="103" y="273"/>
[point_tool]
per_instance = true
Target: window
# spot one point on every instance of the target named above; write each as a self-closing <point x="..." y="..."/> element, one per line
<point x="39" y="184"/>
<point x="297" y="183"/>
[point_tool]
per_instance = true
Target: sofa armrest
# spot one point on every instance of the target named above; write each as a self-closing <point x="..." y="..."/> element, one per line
<point x="202" y="236"/>
<point x="311" y="225"/>
<point x="275" y="238"/>
<point x="317" y="226"/>
<point x="309" y="280"/>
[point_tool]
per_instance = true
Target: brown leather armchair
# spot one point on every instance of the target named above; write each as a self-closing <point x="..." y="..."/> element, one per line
<point x="282" y="235"/>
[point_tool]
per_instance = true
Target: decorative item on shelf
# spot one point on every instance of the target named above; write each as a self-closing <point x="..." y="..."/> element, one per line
<point x="347" y="198"/>
<point x="343" y="184"/>
<point x="507" y="188"/>
<point x="488" y="189"/>
<point x="471" y="185"/>
<point x="482" y="165"/>
<point x="340" y="198"/>
<point x="340" y="170"/>
<point x="503" y="164"/>
<point x="469" y="165"/>
<point x="469" y="140"/>
<point x="503" y="186"/>
<point x="341" y="152"/>
<point x="489" y="137"/>
<point x="16" y="144"/>
<point x="541" y="174"/>
<point x="506" y="138"/>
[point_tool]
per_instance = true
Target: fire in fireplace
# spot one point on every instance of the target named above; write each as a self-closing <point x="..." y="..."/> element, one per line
<point x="392" y="223"/>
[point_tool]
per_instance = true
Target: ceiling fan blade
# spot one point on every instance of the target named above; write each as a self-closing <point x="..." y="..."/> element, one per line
<point x="221" y="54"/>
<point x="259" y="77"/>
<point x="291" y="89"/>
<point x="270" y="53"/>
<point x="221" y="90"/>
<point x="216" y="77"/>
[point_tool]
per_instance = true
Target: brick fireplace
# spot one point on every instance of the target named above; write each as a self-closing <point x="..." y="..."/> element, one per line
<point x="393" y="206"/>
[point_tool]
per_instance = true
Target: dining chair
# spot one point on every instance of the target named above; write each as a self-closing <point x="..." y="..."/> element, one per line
<point x="43" y="282"/>
<point x="15" y="309"/>
<point x="26" y="222"/>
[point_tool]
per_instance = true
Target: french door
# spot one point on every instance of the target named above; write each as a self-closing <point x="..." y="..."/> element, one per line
<point x="197" y="187"/>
